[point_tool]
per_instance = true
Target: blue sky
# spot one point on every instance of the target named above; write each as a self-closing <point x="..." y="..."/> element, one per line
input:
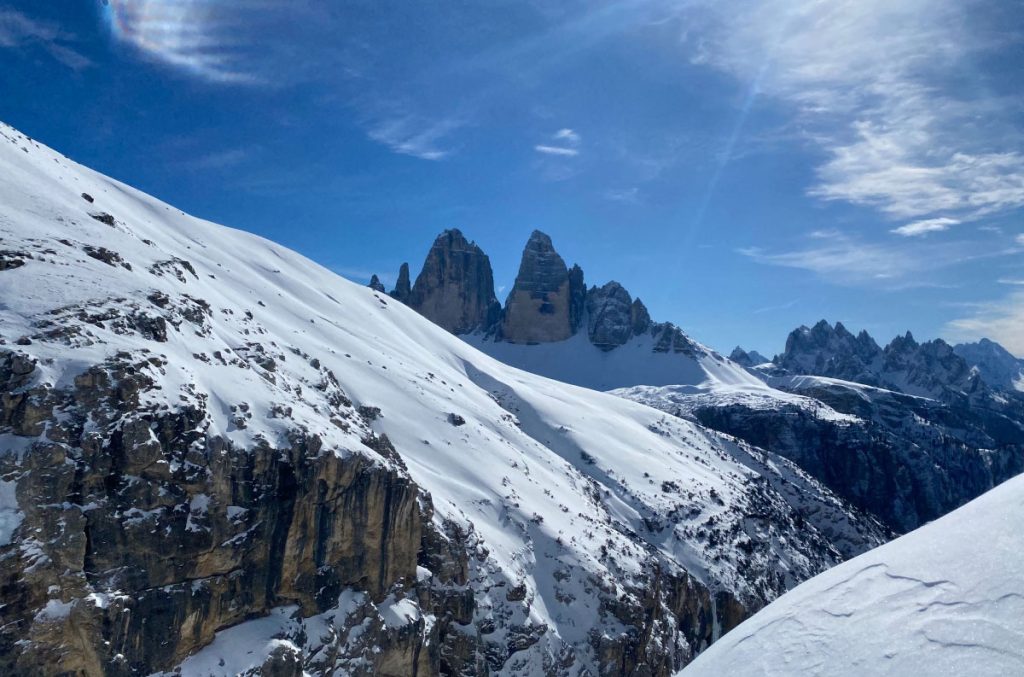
<point x="744" y="166"/>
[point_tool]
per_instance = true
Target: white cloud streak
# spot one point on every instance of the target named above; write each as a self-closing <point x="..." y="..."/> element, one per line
<point x="840" y="258"/>
<point x="18" y="30"/>
<point x="556" y="150"/>
<point x="567" y="140"/>
<point x="412" y="135"/>
<point x="869" y="79"/>
<point x="925" y="226"/>
<point x="568" y="136"/>
<point x="1001" y="321"/>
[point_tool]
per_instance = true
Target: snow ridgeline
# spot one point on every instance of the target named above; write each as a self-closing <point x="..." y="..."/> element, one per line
<point x="946" y="599"/>
<point x="573" y="499"/>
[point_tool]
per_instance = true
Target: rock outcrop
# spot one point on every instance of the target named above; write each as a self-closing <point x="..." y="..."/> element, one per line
<point x="402" y="290"/>
<point x="931" y="367"/>
<point x="455" y="289"/>
<point x="614" y="317"/>
<point x="540" y="307"/>
<point x="376" y="285"/>
<point x="747" y="359"/>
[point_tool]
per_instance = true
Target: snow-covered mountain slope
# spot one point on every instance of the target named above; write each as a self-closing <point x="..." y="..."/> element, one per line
<point x="637" y="362"/>
<point x="184" y="403"/>
<point x="946" y="599"/>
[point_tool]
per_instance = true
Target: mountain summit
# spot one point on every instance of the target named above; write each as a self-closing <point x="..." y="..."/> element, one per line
<point x="545" y="300"/>
<point x="455" y="288"/>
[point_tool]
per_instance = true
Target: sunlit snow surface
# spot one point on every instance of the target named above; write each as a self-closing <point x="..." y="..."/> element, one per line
<point x="947" y="599"/>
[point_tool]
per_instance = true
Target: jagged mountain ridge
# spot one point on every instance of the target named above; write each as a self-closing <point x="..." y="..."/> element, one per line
<point x="994" y="363"/>
<point x="201" y="427"/>
<point x="929" y="369"/>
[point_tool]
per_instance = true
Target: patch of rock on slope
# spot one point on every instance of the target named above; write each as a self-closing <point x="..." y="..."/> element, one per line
<point x="219" y="457"/>
<point x="943" y="600"/>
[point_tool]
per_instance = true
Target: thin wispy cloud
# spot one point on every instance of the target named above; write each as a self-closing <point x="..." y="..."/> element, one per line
<point x="1002" y="321"/>
<point x="221" y="159"/>
<point x="567" y="135"/>
<point x="925" y="226"/>
<point x="776" y="308"/>
<point x="412" y="135"/>
<point x="843" y="259"/>
<point x="18" y="31"/>
<point x="565" y="143"/>
<point x="867" y="78"/>
<point x="556" y="150"/>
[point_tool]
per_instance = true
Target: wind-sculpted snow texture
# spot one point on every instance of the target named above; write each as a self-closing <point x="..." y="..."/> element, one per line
<point x="219" y="456"/>
<point x="946" y="599"/>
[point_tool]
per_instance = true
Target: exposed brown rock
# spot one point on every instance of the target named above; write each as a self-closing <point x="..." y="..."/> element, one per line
<point x="455" y="289"/>
<point x="542" y="305"/>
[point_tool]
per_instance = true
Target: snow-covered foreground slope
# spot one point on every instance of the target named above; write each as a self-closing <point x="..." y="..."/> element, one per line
<point x="946" y="599"/>
<point x="567" y="502"/>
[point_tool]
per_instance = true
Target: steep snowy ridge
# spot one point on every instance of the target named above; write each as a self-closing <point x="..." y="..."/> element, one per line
<point x="943" y="600"/>
<point x="211" y="346"/>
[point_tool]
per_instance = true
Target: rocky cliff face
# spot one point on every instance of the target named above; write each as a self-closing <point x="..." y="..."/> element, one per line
<point x="614" y="317"/>
<point x="550" y="303"/>
<point x="539" y="309"/>
<point x="455" y="289"/>
<point x="142" y="535"/>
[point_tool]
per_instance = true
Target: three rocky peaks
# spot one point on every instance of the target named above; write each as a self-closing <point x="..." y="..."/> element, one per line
<point x="548" y="302"/>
